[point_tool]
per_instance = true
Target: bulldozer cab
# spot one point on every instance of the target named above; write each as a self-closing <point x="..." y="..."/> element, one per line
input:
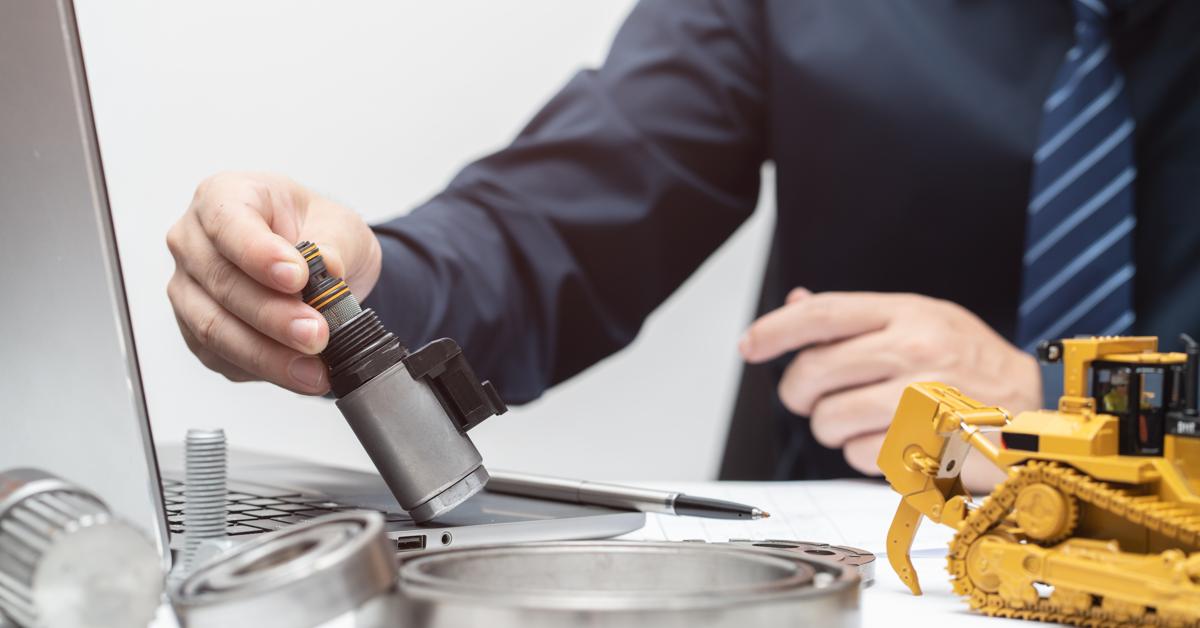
<point x="1140" y="396"/>
<point x="1152" y="394"/>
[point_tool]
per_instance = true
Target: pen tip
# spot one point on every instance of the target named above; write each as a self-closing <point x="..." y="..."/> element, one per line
<point x="766" y="515"/>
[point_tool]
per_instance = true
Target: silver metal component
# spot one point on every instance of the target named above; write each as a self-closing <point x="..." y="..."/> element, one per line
<point x="446" y="500"/>
<point x="413" y="443"/>
<point x="341" y="312"/>
<point x="301" y="575"/>
<point x="204" y="491"/>
<point x="624" y="583"/>
<point x="583" y="492"/>
<point x="861" y="560"/>
<point x="756" y="513"/>
<point x="65" y="561"/>
<point x="953" y="457"/>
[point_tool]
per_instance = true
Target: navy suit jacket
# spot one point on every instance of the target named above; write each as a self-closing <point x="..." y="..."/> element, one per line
<point x="901" y="132"/>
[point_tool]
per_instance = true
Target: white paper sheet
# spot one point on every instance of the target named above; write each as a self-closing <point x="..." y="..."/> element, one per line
<point x="839" y="512"/>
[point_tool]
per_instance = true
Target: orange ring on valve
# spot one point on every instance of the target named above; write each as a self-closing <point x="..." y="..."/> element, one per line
<point x="338" y="286"/>
<point x="320" y="306"/>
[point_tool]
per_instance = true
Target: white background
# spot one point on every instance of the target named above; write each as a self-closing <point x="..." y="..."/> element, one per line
<point x="377" y="104"/>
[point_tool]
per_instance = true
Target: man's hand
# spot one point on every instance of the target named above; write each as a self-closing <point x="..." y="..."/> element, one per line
<point x="237" y="274"/>
<point x="859" y="350"/>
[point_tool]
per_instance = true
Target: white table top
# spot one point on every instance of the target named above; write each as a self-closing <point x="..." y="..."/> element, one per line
<point x="839" y="512"/>
<point x="856" y="513"/>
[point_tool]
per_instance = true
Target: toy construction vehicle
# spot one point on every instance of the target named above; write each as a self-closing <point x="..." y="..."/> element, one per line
<point x="1098" y="522"/>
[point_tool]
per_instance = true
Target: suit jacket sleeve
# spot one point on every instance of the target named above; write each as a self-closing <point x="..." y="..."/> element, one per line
<point x="545" y="257"/>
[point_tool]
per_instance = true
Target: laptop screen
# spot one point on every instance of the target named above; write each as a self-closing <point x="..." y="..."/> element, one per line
<point x="73" y="403"/>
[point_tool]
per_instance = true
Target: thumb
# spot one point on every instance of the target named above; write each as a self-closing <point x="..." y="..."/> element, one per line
<point x="798" y="294"/>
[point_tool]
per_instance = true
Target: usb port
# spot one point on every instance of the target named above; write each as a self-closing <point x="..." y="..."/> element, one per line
<point x="410" y="543"/>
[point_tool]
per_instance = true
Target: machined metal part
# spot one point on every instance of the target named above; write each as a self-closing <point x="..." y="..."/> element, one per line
<point x="339" y="313"/>
<point x="65" y="561"/>
<point x="862" y="560"/>
<point x="204" y="492"/>
<point x="446" y="500"/>
<point x="301" y="575"/>
<point x="429" y="465"/>
<point x="627" y="584"/>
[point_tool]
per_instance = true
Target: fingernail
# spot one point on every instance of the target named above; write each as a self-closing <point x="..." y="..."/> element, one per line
<point x="286" y="275"/>
<point x="744" y="345"/>
<point x="304" y="331"/>
<point x="308" y="371"/>
<point x="797" y="293"/>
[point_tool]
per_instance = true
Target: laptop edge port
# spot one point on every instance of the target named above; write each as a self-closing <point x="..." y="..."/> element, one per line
<point x="410" y="543"/>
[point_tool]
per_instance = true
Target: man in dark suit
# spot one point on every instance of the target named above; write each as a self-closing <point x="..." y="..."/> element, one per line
<point x="956" y="179"/>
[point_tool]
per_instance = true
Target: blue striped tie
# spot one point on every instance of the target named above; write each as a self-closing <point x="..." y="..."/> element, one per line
<point x="1079" y="265"/>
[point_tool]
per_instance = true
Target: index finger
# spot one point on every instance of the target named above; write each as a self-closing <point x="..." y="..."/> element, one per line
<point x="242" y="235"/>
<point x="814" y="319"/>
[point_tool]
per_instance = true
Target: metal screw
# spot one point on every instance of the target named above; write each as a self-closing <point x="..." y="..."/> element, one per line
<point x="204" y="492"/>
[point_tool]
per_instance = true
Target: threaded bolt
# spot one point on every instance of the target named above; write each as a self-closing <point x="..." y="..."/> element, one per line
<point x="204" y="492"/>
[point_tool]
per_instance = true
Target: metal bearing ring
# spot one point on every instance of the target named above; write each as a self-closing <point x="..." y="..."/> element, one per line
<point x="301" y="575"/>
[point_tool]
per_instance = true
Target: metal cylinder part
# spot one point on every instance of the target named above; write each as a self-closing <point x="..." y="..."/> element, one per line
<point x="627" y="584"/>
<point x="429" y="465"/>
<point x="66" y="561"/>
<point x="204" y="491"/>
<point x="301" y="575"/>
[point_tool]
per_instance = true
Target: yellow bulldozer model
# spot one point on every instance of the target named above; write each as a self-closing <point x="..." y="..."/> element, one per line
<point x="1098" y="521"/>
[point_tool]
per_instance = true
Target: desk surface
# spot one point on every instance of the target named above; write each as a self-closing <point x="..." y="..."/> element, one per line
<point x="841" y="512"/>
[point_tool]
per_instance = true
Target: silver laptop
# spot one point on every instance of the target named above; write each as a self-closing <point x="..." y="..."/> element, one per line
<point x="73" y="402"/>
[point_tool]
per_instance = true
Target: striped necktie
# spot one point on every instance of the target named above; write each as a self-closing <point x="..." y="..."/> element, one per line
<point x="1078" y="263"/>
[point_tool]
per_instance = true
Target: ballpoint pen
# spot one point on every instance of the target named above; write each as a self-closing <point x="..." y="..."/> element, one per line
<point x="616" y="496"/>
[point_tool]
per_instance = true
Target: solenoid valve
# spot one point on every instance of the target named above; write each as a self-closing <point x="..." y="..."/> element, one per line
<point x="410" y="410"/>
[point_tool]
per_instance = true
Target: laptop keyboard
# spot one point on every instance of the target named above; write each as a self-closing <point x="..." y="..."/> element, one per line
<point x="254" y="514"/>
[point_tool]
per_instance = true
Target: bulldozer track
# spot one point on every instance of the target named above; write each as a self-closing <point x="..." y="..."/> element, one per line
<point x="1180" y="524"/>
